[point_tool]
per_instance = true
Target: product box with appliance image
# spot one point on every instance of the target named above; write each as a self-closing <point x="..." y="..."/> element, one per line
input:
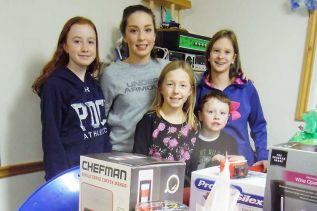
<point x="251" y="188"/>
<point x="292" y="178"/>
<point x="118" y="181"/>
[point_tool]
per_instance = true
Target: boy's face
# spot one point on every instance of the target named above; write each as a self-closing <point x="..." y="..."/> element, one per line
<point x="214" y="115"/>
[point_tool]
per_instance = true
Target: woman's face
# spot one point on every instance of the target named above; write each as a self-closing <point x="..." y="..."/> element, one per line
<point x="140" y="37"/>
<point x="221" y="56"/>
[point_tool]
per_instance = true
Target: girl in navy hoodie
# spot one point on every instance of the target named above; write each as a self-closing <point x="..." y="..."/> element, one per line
<point x="72" y="104"/>
<point x="224" y="74"/>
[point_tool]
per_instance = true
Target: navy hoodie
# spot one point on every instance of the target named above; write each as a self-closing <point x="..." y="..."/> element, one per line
<point x="246" y="110"/>
<point x="73" y="120"/>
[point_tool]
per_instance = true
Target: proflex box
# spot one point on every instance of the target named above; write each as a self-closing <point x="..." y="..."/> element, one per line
<point x="251" y="188"/>
<point x="118" y="181"/>
<point x="291" y="178"/>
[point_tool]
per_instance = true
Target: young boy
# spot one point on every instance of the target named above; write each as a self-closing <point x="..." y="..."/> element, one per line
<point x="213" y="143"/>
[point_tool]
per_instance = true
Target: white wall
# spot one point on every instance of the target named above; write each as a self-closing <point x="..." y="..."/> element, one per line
<point x="271" y="39"/>
<point x="15" y="190"/>
<point x="28" y="37"/>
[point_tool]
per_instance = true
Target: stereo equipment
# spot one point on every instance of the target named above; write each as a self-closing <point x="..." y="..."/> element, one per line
<point x="177" y="40"/>
<point x="196" y="61"/>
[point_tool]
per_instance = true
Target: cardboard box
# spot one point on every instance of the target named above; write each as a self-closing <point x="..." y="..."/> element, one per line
<point x="292" y="178"/>
<point x="118" y="181"/>
<point x="251" y="188"/>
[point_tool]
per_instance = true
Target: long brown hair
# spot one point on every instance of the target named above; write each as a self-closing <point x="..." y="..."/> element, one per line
<point x="60" y="57"/>
<point x="235" y="68"/>
<point x="189" y="105"/>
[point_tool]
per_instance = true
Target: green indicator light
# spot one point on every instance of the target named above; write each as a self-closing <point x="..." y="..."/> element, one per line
<point x="192" y="43"/>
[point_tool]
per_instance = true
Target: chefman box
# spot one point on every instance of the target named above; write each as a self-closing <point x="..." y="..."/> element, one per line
<point x="118" y="181"/>
<point x="292" y="178"/>
<point x="251" y="188"/>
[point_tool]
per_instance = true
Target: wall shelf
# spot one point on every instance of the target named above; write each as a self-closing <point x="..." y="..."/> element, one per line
<point x="179" y="4"/>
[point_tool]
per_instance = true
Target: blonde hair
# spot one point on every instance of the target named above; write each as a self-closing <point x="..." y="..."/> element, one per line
<point x="189" y="105"/>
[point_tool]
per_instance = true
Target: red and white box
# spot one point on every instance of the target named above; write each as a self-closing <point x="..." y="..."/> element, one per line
<point x="251" y="188"/>
<point x="118" y="181"/>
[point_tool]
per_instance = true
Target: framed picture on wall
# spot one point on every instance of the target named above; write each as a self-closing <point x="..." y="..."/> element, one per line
<point x="307" y="97"/>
